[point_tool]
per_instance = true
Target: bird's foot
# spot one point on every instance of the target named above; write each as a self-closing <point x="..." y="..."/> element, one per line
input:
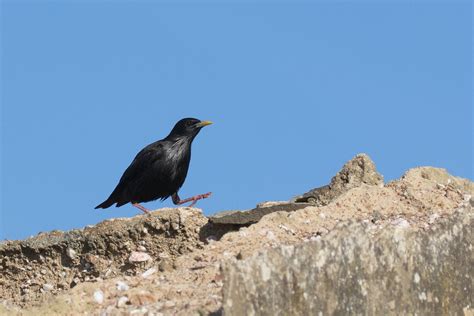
<point x="194" y="199"/>
<point x="142" y="208"/>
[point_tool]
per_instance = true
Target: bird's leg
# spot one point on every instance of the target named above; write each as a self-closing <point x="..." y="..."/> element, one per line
<point x="143" y="209"/>
<point x="194" y="199"/>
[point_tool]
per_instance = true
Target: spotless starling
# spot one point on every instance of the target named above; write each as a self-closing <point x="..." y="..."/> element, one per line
<point x="159" y="170"/>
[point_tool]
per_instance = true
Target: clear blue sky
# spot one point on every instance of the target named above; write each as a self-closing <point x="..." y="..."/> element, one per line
<point x="295" y="90"/>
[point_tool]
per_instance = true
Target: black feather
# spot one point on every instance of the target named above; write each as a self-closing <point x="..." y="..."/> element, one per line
<point x="158" y="170"/>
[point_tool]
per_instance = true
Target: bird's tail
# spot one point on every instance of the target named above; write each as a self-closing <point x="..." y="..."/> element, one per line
<point x="107" y="203"/>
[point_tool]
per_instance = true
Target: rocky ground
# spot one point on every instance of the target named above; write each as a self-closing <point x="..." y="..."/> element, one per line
<point x="177" y="261"/>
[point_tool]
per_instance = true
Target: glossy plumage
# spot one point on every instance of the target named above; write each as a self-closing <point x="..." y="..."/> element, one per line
<point x="158" y="170"/>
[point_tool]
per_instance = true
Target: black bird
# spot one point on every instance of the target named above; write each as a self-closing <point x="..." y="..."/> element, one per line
<point x="159" y="170"/>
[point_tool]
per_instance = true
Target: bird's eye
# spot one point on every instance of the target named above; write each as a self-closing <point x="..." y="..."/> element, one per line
<point x="189" y="123"/>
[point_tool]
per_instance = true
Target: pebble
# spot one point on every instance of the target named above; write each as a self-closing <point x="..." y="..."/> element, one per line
<point x="137" y="256"/>
<point x="148" y="272"/>
<point x="71" y="253"/>
<point x="122" y="286"/>
<point x="169" y="304"/>
<point x="122" y="301"/>
<point x="141" y="311"/>
<point x="211" y="239"/>
<point x="416" y="278"/>
<point x="141" y="248"/>
<point x="401" y="222"/>
<point x="48" y="287"/>
<point x="99" y="296"/>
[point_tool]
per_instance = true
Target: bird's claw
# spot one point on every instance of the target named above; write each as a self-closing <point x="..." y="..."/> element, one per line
<point x="199" y="197"/>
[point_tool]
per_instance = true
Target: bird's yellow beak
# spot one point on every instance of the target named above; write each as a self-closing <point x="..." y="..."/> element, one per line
<point x="203" y="123"/>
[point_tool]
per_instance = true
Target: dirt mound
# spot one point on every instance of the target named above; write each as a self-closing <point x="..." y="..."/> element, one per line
<point x="170" y="262"/>
<point x="51" y="263"/>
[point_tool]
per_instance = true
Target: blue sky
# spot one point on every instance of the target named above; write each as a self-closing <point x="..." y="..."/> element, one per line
<point x="295" y="90"/>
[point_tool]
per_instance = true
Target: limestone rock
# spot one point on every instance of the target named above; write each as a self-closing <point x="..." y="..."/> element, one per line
<point x="357" y="171"/>
<point x="400" y="272"/>
<point x="254" y="215"/>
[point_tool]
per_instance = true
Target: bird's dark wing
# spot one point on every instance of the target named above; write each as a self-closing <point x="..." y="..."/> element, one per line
<point x="146" y="158"/>
<point x="136" y="175"/>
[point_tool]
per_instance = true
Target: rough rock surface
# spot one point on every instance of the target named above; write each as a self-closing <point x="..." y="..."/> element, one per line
<point x="55" y="262"/>
<point x="357" y="171"/>
<point x="398" y="271"/>
<point x="169" y="263"/>
<point x="254" y="215"/>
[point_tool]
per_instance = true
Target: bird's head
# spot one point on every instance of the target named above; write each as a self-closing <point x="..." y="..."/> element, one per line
<point x="188" y="127"/>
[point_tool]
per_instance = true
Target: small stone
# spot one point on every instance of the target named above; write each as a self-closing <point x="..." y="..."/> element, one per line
<point x="43" y="271"/>
<point x="422" y="296"/>
<point x="401" y="223"/>
<point x="48" y="287"/>
<point x="136" y="256"/>
<point x="175" y="226"/>
<point x="416" y="278"/>
<point x="141" y="311"/>
<point x="211" y="239"/>
<point x="122" y="301"/>
<point x="99" y="296"/>
<point x="71" y="253"/>
<point x="141" y="248"/>
<point x="148" y="272"/>
<point x="122" y="286"/>
<point x="169" y="304"/>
